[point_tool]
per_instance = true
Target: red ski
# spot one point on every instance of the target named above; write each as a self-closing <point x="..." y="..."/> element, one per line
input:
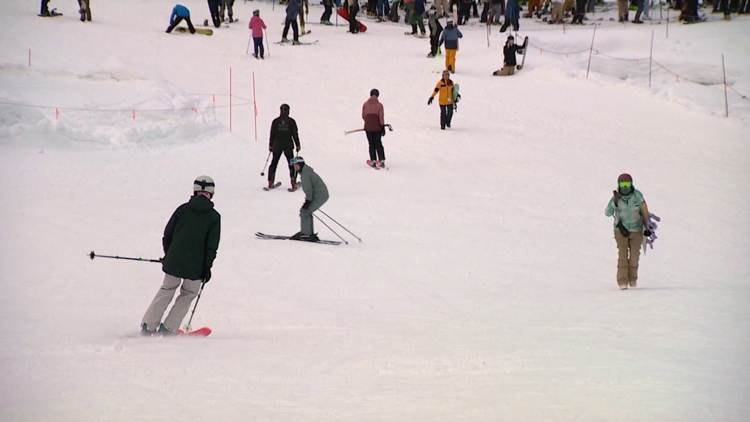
<point x="345" y="14"/>
<point x="200" y="332"/>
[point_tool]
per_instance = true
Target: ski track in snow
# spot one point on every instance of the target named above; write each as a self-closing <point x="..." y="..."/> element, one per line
<point x="484" y="288"/>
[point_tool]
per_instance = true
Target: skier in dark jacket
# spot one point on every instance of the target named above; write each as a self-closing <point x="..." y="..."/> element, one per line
<point x="316" y="194"/>
<point x="374" y="120"/>
<point x="435" y="30"/>
<point x="293" y="9"/>
<point x="509" y="62"/>
<point x="284" y="139"/>
<point x="180" y="12"/>
<point x="190" y="242"/>
<point x="213" y="7"/>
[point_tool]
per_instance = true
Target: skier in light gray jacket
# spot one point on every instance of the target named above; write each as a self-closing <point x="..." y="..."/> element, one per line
<point x="316" y="194"/>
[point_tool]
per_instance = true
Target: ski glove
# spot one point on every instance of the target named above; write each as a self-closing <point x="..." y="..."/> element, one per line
<point x="306" y="205"/>
<point x="430" y="101"/>
<point x="382" y="130"/>
<point x="207" y="275"/>
<point x="647" y="232"/>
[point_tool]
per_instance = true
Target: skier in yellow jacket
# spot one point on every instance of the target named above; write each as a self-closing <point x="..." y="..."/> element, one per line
<point x="445" y="98"/>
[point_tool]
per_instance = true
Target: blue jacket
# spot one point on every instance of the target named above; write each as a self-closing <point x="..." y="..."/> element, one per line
<point x="179" y="11"/>
<point x="450" y="35"/>
<point x="293" y="9"/>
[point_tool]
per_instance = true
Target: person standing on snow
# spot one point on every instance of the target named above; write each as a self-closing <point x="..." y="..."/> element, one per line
<point x="213" y="8"/>
<point x="191" y="239"/>
<point x="325" y="19"/>
<point x="257" y="26"/>
<point x="445" y="88"/>
<point x="374" y="117"/>
<point x="509" y="52"/>
<point x="450" y="36"/>
<point x="512" y="15"/>
<point x="353" y="8"/>
<point x="416" y="18"/>
<point x="316" y="194"/>
<point x="283" y="139"/>
<point x="435" y="30"/>
<point x="227" y="5"/>
<point x="293" y="9"/>
<point x="630" y="212"/>
<point x="180" y="13"/>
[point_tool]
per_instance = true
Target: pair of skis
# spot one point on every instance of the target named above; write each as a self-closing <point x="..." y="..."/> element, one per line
<point x="277" y="237"/>
<point x="277" y="184"/>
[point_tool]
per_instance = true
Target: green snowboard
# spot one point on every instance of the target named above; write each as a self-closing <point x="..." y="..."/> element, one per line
<point x="203" y="31"/>
<point x="456" y="96"/>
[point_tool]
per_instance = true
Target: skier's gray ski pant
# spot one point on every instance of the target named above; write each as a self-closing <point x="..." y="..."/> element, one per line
<point x="164" y="296"/>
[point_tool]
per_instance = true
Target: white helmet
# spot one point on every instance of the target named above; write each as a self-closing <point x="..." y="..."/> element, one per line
<point x="204" y="184"/>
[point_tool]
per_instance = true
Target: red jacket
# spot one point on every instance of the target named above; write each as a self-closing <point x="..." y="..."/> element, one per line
<point x="373" y="115"/>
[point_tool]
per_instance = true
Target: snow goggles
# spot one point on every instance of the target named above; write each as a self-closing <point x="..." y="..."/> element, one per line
<point x="295" y="161"/>
<point x="625" y="184"/>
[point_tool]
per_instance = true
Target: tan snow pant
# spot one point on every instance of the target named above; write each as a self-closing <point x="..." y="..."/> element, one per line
<point x="442" y="7"/>
<point x="505" y="71"/>
<point x="164" y="296"/>
<point x="629" y="250"/>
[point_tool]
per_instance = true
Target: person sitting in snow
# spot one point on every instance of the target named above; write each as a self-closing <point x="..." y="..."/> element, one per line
<point x="509" y="62"/>
<point x="180" y="12"/>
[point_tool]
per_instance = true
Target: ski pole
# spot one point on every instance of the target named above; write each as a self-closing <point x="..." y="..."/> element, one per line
<point x="247" y="50"/>
<point x="268" y="47"/>
<point x="329" y="228"/>
<point x="323" y="212"/>
<point x="263" y="173"/>
<point x="188" y="328"/>
<point x="93" y="255"/>
<point x="346" y="132"/>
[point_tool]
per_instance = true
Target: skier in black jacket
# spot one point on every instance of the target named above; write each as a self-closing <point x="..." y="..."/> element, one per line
<point x="191" y="239"/>
<point x="283" y="139"/>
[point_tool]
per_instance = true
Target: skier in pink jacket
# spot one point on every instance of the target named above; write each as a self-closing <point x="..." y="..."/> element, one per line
<point x="257" y="26"/>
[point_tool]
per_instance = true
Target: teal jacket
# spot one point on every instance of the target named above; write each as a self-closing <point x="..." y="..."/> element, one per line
<point x="629" y="210"/>
<point x="313" y="185"/>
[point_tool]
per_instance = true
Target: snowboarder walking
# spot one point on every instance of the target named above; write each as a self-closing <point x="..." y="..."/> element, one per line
<point x="630" y="212"/>
<point x="191" y="239"/>
<point x="257" y="26"/>
<point x="444" y="87"/>
<point x="316" y="194"/>
<point x="450" y="36"/>
<point x="292" y="10"/>
<point x="180" y="13"/>
<point x="509" y="52"/>
<point x="435" y="30"/>
<point x="283" y="139"/>
<point x="374" y="117"/>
